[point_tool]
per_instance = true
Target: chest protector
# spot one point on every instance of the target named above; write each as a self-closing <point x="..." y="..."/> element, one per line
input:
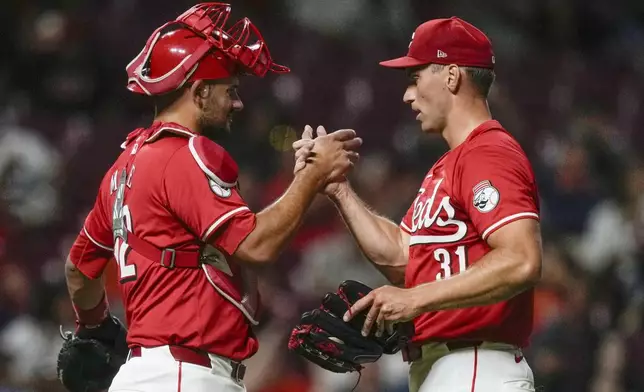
<point x="236" y="284"/>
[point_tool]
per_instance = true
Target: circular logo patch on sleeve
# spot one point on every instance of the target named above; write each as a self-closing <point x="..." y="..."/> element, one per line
<point x="486" y="196"/>
<point x="219" y="190"/>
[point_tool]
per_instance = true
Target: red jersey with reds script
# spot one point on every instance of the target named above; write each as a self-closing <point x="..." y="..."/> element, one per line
<point x="481" y="185"/>
<point x="170" y="202"/>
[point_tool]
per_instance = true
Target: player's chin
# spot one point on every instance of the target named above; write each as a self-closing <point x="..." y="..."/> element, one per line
<point x="427" y="127"/>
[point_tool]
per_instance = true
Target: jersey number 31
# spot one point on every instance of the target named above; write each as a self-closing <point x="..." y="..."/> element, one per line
<point x="444" y="258"/>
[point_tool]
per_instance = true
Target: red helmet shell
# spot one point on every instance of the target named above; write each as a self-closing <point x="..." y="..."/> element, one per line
<point x="196" y="46"/>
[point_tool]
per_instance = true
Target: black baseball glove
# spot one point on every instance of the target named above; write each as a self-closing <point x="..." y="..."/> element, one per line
<point x="325" y="339"/>
<point x="90" y="357"/>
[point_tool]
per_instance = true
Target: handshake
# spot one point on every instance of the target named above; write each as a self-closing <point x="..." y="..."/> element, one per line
<point x="328" y="157"/>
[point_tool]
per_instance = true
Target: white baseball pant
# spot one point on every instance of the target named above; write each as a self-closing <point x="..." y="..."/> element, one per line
<point x="490" y="367"/>
<point x="156" y="370"/>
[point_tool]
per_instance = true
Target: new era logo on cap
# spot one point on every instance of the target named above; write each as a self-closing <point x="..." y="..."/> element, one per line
<point x="433" y="40"/>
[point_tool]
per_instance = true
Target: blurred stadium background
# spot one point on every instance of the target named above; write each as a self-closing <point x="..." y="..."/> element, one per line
<point x="570" y="87"/>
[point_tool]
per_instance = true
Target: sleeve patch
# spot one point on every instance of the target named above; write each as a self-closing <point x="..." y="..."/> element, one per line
<point x="486" y="196"/>
<point x="219" y="190"/>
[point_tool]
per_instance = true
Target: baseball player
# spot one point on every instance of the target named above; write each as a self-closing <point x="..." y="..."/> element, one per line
<point x="468" y="250"/>
<point x="170" y="213"/>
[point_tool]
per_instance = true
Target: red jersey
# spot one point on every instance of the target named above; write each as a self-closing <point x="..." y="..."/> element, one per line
<point x="171" y="202"/>
<point x="481" y="185"/>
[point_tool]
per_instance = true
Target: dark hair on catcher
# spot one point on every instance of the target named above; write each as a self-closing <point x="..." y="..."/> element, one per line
<point x="164" y="101"/>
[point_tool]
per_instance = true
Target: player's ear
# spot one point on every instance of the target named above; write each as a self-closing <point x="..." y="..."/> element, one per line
<point x="199" y="91"/>
<point x="454" y="78"/>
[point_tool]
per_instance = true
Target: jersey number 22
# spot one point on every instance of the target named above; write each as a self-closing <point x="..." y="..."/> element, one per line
<point x="121" y="225"/>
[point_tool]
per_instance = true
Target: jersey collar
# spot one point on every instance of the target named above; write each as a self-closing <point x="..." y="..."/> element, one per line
<point x="483" y="127"/>
<point x="159" y="128"/>
<point x="156" y="130"/>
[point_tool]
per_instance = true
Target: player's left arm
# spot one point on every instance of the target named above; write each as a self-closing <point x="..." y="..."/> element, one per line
<point x="512" y="266"/>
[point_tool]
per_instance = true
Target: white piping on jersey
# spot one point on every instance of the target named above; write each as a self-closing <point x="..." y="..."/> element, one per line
<point x="202" y="165"/>
<point x="96" y="242"/>
<point x="521" y="215"/>
<point x="179" y="130"/>
<point x="222" y="219"/>
<point x="405" y="226"/>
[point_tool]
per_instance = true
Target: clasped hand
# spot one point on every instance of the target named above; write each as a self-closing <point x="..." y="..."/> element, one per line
<point x="334" y="154"/>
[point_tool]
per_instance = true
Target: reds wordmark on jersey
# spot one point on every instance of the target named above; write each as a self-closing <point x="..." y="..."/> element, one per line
<point x="473" y="190"/>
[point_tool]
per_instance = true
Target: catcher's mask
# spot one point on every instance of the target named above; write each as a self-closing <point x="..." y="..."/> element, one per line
<point x="197" y="46"/>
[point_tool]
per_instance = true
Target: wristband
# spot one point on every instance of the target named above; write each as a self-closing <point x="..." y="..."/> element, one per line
<point x="94" y="316"/>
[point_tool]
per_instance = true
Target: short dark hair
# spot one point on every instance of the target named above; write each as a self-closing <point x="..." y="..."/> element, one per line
<point x="481" y="78"/>
<point x="164" y="101"/>
<point x="436" y="67"/>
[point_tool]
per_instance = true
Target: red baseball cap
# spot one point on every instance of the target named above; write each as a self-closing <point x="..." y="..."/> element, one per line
<point x="446" y="41"/>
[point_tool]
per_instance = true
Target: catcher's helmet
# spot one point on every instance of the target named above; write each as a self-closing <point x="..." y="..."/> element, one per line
<point x="197" y="46"/>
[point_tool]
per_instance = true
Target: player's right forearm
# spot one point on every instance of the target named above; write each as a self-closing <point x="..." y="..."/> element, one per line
<point x="378" y="237"/>
<point x="276" y="224"/>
